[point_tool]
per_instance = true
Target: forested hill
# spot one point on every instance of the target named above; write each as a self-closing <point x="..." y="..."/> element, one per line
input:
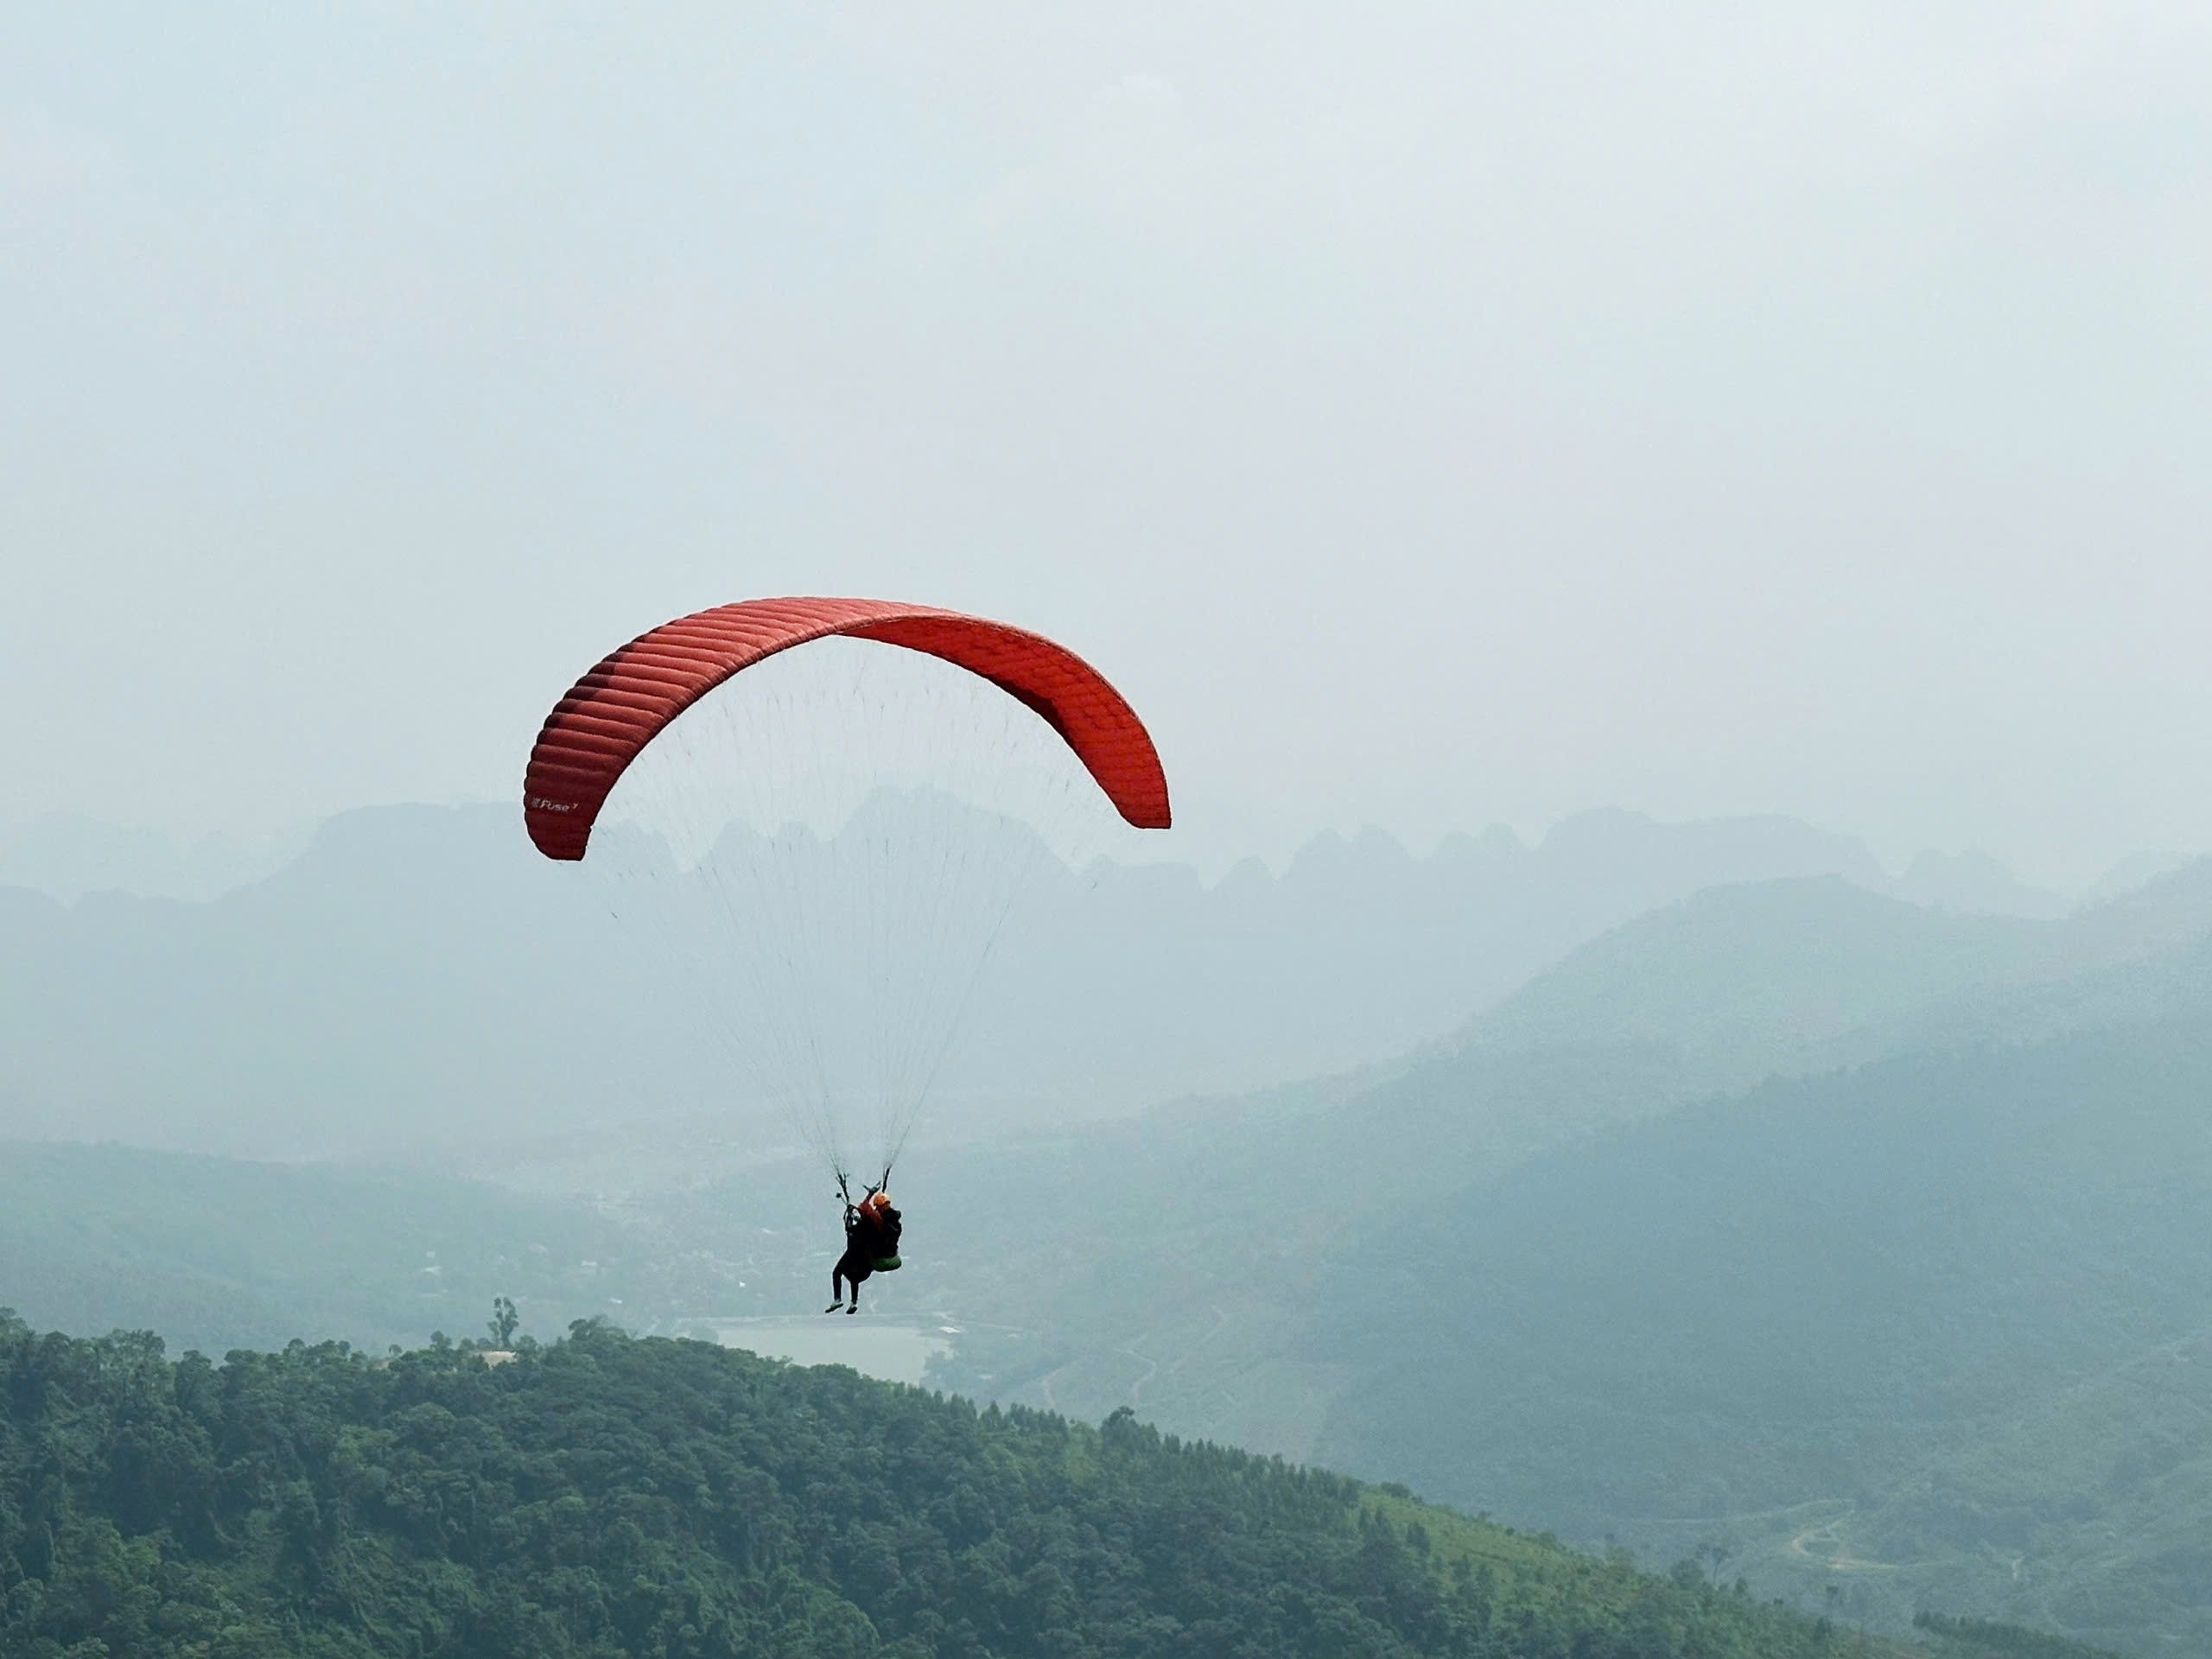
<point x="609" y="1495"/>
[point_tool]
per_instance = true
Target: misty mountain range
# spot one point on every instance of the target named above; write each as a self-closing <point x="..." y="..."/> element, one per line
<point x="1919" y="1316"/>
<point x="1760" y="984"/>
<point x="67" y="854"/>
<point x="418" y="976"/>
<point x="1849" y="1241"/>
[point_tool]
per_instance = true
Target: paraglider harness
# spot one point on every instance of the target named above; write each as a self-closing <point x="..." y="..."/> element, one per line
<point x="878" y="1235"/>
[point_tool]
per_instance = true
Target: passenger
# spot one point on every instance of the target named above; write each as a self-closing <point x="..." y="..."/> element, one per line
<point x="872" y="1230"/>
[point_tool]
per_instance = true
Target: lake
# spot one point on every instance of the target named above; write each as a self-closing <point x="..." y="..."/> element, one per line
<point x="893" y="1350"/>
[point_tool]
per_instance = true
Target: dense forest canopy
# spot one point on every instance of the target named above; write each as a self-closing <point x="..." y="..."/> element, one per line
<point x="605" y="1495"/>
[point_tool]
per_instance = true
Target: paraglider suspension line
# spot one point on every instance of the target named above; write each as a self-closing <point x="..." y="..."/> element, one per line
<point x="844" y="1184"/>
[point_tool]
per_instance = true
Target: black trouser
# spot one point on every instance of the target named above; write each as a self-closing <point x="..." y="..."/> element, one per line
<point x="855" y="1264"/>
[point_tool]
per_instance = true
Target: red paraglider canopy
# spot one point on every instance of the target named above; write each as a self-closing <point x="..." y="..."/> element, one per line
<point x="611" y="714"/>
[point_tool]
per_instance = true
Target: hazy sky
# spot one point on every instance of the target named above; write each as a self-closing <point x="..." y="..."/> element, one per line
<point x="1429" y="415"/>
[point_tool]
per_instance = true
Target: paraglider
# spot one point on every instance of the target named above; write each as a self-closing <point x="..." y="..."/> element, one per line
<point x="835" y="945"/>
<point x="872" y="1233"/>
<point x="622" y="705"/>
